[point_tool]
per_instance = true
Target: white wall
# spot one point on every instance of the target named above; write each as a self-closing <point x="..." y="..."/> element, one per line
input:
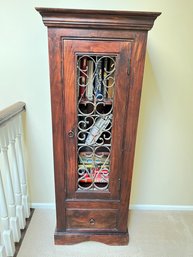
<point x="163" y="171"/>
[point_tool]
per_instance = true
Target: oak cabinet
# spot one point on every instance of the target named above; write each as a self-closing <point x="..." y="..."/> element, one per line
<point x="96" y="69"/>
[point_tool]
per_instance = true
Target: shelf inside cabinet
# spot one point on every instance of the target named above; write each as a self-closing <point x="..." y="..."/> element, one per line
<point x="106" y="101"/>
<point x="93" y="169"/>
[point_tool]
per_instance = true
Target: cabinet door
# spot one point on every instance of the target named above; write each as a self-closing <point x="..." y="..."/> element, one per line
<point x="95" y="94"/>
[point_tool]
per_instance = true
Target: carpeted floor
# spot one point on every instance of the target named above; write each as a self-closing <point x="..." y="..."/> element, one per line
<point x="152" y="234"/>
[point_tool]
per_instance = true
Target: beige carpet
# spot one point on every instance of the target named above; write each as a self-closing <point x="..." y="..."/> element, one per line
<point x="152" y="234"/>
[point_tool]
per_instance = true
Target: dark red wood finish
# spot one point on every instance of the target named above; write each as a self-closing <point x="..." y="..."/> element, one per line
<point x="86" y="216"/>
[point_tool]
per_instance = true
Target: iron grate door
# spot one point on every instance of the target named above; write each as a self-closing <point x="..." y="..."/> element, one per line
<point x="94" y="95"/>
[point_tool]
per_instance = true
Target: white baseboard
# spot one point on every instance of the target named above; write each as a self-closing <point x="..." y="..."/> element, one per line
<point x="43" y="205"/>
<point x="153" y="207"/>
<point x="140" y="207"/>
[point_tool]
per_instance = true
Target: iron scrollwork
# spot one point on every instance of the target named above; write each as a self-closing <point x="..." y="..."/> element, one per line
<point x="95" y="91"/>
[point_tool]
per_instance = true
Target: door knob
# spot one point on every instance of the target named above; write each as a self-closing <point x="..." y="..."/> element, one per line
<point x="92" y="221"/>
<point x="71" y="133"/>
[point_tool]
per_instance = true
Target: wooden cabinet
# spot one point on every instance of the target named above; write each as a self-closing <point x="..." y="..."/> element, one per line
<point x="96" y="70"/>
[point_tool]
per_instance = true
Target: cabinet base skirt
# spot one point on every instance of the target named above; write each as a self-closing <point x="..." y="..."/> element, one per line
<point x="69" y="238"/>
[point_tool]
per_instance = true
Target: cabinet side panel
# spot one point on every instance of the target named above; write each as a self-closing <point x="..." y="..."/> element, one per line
<point x="57" y="123"/>
<point x="134" y="96"/>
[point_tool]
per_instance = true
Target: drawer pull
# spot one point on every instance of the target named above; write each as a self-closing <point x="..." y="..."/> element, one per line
<point x="92" y="221"/>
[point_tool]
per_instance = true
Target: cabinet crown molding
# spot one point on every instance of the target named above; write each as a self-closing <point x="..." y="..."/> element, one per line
<point x="97" y="19"/>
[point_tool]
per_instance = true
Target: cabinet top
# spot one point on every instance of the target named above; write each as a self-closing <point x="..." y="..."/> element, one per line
<point x="97" y="19"/>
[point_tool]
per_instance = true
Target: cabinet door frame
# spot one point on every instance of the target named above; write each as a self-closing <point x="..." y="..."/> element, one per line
<point x="71" y="48"/>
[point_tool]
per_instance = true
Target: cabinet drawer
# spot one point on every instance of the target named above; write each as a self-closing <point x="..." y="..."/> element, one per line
<point x="91" y="219"/>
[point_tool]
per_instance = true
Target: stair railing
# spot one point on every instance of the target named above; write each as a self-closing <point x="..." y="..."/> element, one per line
<point x="14" y="199"/>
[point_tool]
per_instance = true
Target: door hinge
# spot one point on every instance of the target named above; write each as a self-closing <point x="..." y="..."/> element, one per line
<point x="129" y="67"/>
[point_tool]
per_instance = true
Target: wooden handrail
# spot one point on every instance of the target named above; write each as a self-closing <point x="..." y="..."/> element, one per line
<point x="11" y="111"/>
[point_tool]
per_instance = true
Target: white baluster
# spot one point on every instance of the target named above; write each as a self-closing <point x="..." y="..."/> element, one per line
<point x="14" y="223"/>
<point x="21" y="166"/>
<point x="15" y="176"/>
<point x="2" y="251"/>
<point x="7" y="236"/>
